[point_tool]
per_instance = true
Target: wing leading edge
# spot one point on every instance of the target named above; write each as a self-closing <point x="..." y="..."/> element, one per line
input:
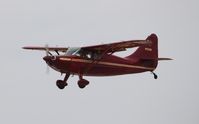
<point x="59" y="49"/>
<point x="103" y="48"/>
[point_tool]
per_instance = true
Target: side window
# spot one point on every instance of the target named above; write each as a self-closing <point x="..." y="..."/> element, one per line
<point x="95" y="56"/>
<point x="88" y="55"/>
<point x="85" y="54"/>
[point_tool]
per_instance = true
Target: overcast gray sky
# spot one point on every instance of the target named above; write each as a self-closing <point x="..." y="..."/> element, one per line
<point x="29" y="95"/>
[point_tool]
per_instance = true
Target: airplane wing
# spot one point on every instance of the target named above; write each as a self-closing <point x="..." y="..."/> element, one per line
<point x="58" y="49"/>
<point x="103" y="48"/>
<point x="116" y="47"/>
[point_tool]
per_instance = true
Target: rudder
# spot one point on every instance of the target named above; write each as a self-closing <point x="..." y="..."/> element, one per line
<point x="148" y="52"/>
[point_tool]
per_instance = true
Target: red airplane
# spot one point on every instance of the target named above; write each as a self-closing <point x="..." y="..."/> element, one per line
<point x="99" y="60"/>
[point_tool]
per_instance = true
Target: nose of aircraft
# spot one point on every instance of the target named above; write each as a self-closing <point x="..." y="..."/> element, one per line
<point x="47" y="58"/>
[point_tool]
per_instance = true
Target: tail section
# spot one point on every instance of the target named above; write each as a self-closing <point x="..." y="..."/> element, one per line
<point x="147" y="51"/>
<point x="147" y="54"/>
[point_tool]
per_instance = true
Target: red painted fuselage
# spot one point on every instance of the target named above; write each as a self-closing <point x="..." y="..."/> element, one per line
<point x="145" y="58"/>
<point x="109" y="65"/>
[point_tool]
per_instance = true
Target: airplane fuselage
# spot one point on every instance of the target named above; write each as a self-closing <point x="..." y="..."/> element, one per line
<point x="98" y="60"/>
<point x="109" y="65"/>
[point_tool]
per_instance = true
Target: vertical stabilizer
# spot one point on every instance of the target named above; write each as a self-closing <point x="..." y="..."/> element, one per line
<point x="148" y="52"/>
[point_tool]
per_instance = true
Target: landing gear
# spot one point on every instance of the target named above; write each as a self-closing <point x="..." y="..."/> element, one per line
<point x="61" y="84"/>
<point x="155" y="76"/>
<point x="82" y="83"/>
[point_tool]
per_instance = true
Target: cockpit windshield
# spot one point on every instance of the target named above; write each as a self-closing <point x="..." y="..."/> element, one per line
<point x="77" y="51"/>
<point x="72" y="50"/>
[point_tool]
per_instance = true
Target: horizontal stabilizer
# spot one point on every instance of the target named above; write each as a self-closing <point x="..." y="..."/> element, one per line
<point x="160" y="59"/>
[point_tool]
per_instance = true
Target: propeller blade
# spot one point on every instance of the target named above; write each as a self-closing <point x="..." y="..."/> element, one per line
<point x="47" y="50"/>
<point x="47" y="54"/>
<point x="47" y="69"/>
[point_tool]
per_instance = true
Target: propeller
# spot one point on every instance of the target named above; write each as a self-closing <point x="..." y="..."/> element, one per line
<point x="47" y="54"/>
<point x="47" y="50"/>
<point x="47" y="69"/>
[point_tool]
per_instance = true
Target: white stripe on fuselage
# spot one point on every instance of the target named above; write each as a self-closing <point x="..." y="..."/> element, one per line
<point x="106" y="63"/>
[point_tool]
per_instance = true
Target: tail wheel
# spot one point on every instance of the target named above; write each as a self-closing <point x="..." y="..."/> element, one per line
<point x="154" y="75"/>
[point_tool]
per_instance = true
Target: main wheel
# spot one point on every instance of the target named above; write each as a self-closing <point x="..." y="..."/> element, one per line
<point x="82" y="83"/>
<point x="61" y="84"/>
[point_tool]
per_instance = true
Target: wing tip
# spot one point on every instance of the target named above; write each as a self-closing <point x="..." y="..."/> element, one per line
<point x="25" y="47"/>
<point x="28" y="47"/>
